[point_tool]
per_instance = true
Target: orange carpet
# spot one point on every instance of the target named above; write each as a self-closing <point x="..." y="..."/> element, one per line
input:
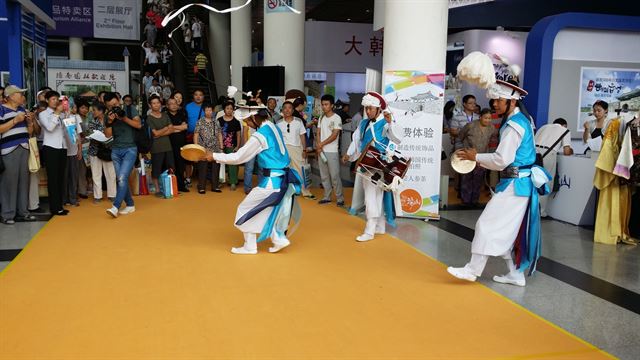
<point x="161" y="284"/>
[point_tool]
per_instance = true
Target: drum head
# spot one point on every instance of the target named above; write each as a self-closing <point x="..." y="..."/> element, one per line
<point x="462" y="166"/>
<point x="193" y="152"/>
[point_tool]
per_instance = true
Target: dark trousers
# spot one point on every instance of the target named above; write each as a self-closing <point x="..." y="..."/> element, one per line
<point x="180" y="165"/>
<point x="56" y="165"/>
<point x="471" y="185"/>
<point x="212" y="168"/>
<point x="71" y="181"/>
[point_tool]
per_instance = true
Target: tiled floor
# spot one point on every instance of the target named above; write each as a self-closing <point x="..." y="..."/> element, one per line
<point x="584" y="314"/>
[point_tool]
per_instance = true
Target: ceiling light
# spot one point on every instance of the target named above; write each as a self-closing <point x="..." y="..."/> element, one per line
<point x="348" y="19"/>
<point x="258" y="22"/>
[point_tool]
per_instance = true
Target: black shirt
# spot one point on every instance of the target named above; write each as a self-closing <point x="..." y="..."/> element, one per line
<point x="230" y="130"/>
<point x="180" y="138"/>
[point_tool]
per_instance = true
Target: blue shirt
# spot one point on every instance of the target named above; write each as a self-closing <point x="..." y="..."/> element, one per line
<point x="194" y="113"/>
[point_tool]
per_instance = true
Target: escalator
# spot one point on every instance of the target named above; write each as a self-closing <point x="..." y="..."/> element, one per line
<point x="184" y="59"/>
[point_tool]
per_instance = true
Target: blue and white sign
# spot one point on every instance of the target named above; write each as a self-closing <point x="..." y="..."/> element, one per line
<point x="615" y="86"/>
<point x="274" y="6"/>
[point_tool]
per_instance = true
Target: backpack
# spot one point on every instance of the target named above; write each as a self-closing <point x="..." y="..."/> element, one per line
<point x="144" y="137"/>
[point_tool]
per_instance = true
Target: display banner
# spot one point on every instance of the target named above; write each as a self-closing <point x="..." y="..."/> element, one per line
<point x="615" y="86"/>
<point x="73" y="18"/>
<point x="416" y="101"/>
<point x="116" y="19"/>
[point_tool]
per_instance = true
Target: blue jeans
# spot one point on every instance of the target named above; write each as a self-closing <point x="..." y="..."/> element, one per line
<point x="123" y="162"/>
<point x="248" y="174"/>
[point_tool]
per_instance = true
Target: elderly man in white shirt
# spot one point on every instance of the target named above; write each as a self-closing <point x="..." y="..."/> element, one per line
<point x="294" y="133"/>
<point x="54" y="151"/>
<point x="546" y="138"/>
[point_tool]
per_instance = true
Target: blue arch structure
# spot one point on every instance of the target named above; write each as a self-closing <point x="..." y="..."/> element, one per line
<point x="539" y="53"/>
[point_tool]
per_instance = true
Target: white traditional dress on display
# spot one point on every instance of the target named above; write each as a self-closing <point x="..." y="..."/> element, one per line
<point x="269" y="207"/>
<point x="379" y="132"/>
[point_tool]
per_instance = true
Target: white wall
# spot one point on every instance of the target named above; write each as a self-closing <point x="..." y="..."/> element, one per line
<point x="510" y="44"/>
<point x="325" y="44"/>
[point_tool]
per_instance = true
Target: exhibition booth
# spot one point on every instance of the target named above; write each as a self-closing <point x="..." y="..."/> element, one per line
<point x="569" y="61"/>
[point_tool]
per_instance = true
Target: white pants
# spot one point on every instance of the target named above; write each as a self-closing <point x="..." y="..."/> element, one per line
<point x="373" y="196"/>
<point x="478" y="262"/>
<point x="34" y="191"/>
<point x="98" y="167"/>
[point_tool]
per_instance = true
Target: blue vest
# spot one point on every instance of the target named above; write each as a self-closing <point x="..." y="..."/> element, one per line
<point x="272" y="158"/>
<point x="525" y="155"/>
<point x="367" y="131"/>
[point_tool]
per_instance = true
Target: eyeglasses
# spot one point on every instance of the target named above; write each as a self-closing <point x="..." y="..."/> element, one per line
<point x="288" y="128"/>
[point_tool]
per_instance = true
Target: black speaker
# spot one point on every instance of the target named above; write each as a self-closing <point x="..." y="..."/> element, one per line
<point x="268" y="78"/>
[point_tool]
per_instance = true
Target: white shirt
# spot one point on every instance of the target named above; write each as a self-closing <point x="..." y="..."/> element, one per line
<point x="52" y="129"/>
<point x="295" y="129"/>
<point x="549" y="134"/>
<point x="196" y="28"/>
<point x="152" y="57"/>
<point x="326" y="125"/>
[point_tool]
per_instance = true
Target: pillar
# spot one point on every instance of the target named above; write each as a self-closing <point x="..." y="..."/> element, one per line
<point x="76" y="51"/>
<point x="220" y="49"/>
<point x="240" y="44"/>
<point x="284" y="43"/>
<point x="402" y="50"/>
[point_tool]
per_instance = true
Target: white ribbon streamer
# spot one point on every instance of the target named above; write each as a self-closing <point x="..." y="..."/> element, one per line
<point x="173" y="14"/>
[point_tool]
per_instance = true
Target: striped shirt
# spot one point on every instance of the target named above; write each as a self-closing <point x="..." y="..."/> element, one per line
<point x="17" y="135"/>
<point x="201" y="61"/>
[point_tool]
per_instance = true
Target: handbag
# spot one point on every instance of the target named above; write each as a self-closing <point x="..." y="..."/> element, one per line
<point x="104" y="152"/>
<point x="34" y="155"/>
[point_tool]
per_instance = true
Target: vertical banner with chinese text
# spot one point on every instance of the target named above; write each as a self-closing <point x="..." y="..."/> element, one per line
<point x="416" y="100"/>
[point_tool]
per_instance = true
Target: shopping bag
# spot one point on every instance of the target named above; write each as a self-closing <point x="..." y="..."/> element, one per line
<point x="142" y="179"/>
<point x="134" y="182"/>
<point x="306" y="174"/>
<point x="164" y="181"/>
<point x="223" y="174"/>
<point x="174" y="183"/>
<point x="34" y="155"/>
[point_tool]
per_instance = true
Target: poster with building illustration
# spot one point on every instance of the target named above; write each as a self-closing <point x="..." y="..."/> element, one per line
<point x="618" y="87"/>
<point x="416" y="101"/>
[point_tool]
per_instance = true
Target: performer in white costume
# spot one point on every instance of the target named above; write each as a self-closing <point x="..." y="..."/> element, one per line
<point x="511" y="219"/>
<point x="267" y="209"/>
<point x="379" y="128"/>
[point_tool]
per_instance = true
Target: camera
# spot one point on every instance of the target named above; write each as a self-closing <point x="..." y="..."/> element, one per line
<point x="118" y="111"/>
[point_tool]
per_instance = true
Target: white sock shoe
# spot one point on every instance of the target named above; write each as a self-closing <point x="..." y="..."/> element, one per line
<point x="113" y="211"/>
<point x="364" y="237"/>
<point x="511" y="279"/>
<point x="462" y="273"/>
<point x="128" y="210"/>
<point x="250" y="245"/>
<point x="243" y="251"/>
<point x="279" y="245"/>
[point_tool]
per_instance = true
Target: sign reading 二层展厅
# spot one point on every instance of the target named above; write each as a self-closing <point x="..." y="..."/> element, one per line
<point x="416" y="101"/>
<point x="107" y="19"/>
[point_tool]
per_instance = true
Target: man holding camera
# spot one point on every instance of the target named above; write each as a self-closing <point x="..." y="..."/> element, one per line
<point x="124" y="151"/>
